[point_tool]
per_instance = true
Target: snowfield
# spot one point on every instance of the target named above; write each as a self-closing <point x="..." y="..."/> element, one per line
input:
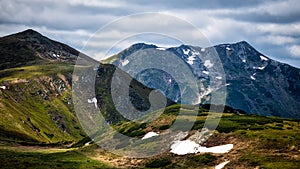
<point x="222" y="165"/>
<point x="125" y="62"/>
<point x="93" y="100"/>
<point x="191" y="147"/>
<point x="208" y="64"/>
<point x="263" y="58"/>
<point x="149" y="135"/>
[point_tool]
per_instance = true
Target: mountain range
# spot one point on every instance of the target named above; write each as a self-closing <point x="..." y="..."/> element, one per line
<point x="36" y="107"/>
<point x="36" y="97"/>
<point x="254" y="82"/>
<point x="39" y="70"/>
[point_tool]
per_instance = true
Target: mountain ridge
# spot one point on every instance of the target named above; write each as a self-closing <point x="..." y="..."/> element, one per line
<point x="38" y="123"/>
<point x="36" y="101"/>
<point x="30" y="47"/>
<point x="253" y="78"/>
<point x="255" y="83"/>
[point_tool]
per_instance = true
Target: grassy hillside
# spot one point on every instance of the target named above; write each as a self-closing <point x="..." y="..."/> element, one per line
<point x="267" y="142"/>
<point x="259" y="142"/>
<point x="22" y="157"/>
<point x="36" y="109"/>
<point x="36" y="104"/>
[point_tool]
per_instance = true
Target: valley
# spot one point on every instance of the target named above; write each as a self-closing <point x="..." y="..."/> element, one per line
<point x="39" y="127"/>
<point x="264" y="142"/>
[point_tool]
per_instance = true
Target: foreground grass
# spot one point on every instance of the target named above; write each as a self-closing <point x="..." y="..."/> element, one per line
<point x="259" y="141"/>
<point x="270" y="161"/>
<point x="264" y="142"/>
<point x="47" y="159"/>
<point x="27" y="72"/>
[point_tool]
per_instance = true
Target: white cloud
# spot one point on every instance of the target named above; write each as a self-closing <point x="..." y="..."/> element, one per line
<point x="294" y="51"/>
<point x="280" y="29"/>
<point x="281" y="7"/>
<point x="97" y="3"/>
<point x="277" y="39"/>
<point x="74" y="22"/>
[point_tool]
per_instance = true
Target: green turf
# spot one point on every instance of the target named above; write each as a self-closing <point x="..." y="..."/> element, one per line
<point x="70" y="159"/>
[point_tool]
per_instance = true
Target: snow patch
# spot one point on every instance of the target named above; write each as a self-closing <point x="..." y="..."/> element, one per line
<point x="227" y="84"/>
<point x="186" y="52"/>
<point x="149" y="135"/>
<point x="161" y="48"/>
<point x="244" y="60"/>
<point x="253" y="78"/>
<point x="125" y="62"/>
<point x="263" y="58"/>
<point x="205" y="72"/>
<point x="188" y="147"/>
<point x="208" y="64"/>
<point x="88" y="143"/>
<point x="202" y="49"/>
<point x="260" y="68"/>
<point x="184" y="147"/>
<point x="93" y="100"/>
<point x="228" y="48"/>
<point x="219" y="77"/>
<point x="221" y="165"/>
<point x="191" y="59"/>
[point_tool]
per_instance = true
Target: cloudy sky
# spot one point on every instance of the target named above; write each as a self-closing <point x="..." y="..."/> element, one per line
<point x="271" y="26"/>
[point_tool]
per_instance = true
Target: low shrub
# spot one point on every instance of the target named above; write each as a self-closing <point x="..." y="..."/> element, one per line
<point x="158" y="163"/>
<point x="204" y="159"/>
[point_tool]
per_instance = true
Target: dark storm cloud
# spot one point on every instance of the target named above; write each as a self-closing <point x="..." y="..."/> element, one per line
<point x="95" y="10"/>
<point x="272" y="26"/>
<point x="196" y="4"/>
<point x="265" y="17"/>
<point x="53" y="15"/>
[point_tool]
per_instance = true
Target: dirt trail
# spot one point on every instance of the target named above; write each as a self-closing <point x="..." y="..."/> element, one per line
<point x="22" y="148"/>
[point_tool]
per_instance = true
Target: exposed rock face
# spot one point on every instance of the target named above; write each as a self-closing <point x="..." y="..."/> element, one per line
<point x="29" y="47"/>
<point x="36" y="79"/>
<point x="254" y="82"/>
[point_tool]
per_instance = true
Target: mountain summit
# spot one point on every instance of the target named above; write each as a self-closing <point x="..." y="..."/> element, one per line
<point x="255" y="83"/>
<point x="30" y="47"/>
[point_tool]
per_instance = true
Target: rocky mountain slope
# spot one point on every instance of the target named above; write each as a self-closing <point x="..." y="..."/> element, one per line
<point x="30" y="47"/>
<point x="254" y="82"/>
<point x="35" y="97"/>
<point x="36" y="102"/>
<point x="38" y="108"/>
